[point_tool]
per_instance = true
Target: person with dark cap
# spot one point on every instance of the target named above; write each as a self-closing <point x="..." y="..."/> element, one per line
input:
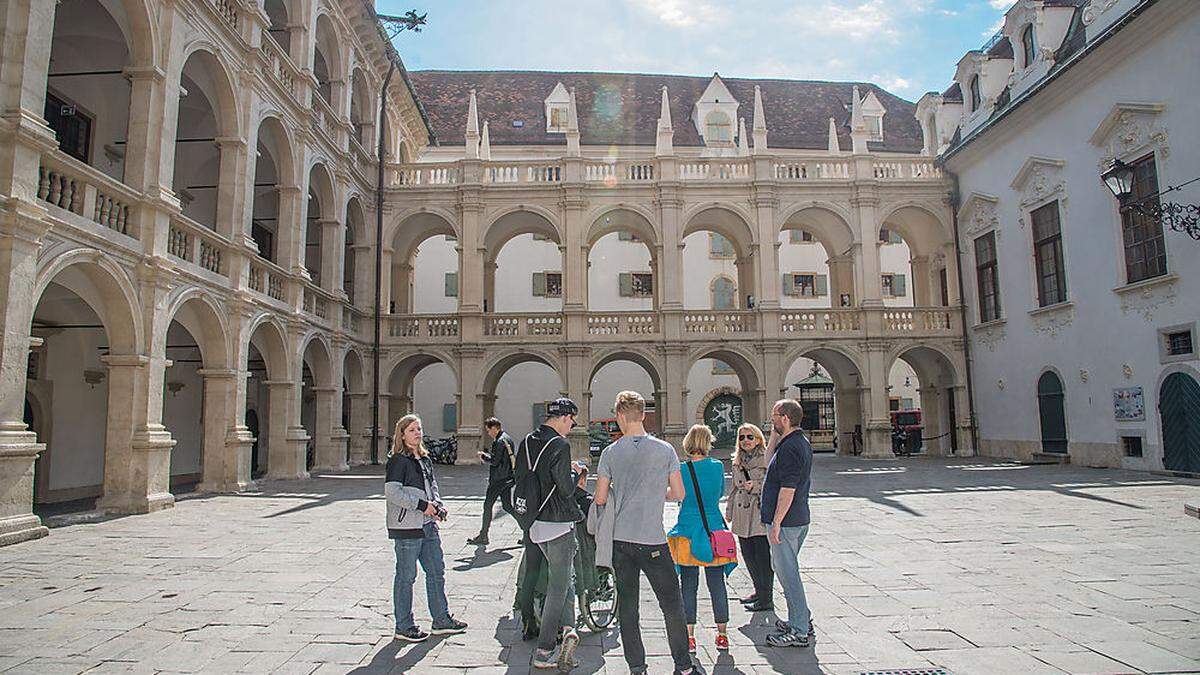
<point x="547" y="454"/>
<point x="500" y="476"/>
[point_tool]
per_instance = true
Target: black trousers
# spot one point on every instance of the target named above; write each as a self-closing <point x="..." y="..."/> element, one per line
<point x="629" y="561"/>
<point x="501" y="490"/>
<point x="756" y="553"/>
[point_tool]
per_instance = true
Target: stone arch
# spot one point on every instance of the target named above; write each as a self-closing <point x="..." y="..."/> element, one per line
<point x="105" y="287"/>
<point x="269" y="337"/>
<point x="363" y="109"/>
<point x="845" y="367"/>
<point x="197" y="312"/>
<point x="354" y="371"/>
<point x="327" y="62"/>
<point x="497" y="367"/>
<point x="316" y="353"/>
<point x="745" y="367"/>
<point x="400" y="377"/>
<point x="217" y="66"/>
<point x="623" y="217"/>
<point x="923" y="228"/>
<point x="828" y="223"/>
<point x="722" y="390"/>
<point x="942" y="389"/>
<point x="632" y="355"/>
<point x="283" y="147"/>
<point x="407" y="235"/>
<point x="725" y="219"/>
<point x="513" y="221"/>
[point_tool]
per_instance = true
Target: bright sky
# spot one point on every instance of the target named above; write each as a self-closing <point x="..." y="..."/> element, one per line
<point x="906" y="46"/>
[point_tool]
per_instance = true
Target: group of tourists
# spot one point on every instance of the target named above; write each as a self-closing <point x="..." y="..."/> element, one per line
<point x="536" y="481"/>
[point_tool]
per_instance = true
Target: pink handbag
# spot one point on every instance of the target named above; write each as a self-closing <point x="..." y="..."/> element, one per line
<point x="722" y="541"/>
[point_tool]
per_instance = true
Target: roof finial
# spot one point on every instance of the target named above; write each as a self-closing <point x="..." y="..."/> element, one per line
<point x="742" y="148"/>
<point x="834" y="147"/>
<point x="760" y="123"/>
<point x="858" y="125"/>
<point x="664" y="143"/>
<point x="572" y="126"/>
<point x="472" y="134"/>
<point x="485" y="144"/>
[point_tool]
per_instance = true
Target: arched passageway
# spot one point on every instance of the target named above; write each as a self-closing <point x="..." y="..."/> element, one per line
<point x="517" y="388"/>
<point x="940" y="395"/>
<point x="423" y="253"/>
<point x="816" y="260"/>
<point x="275" y="195"/>
<point x="203" y="177"/>
<point x="622" y="262"/>
<point x="717" y="254"/>
<point x="619" y="371"/>
<point x="527" y="276"/>
<point x="424" y="384"/>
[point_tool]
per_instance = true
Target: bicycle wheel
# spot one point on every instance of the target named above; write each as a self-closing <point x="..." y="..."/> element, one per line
<point x="598" y="606"/>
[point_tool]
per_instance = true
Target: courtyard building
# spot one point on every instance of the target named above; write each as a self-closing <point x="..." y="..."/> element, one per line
<point x="1082" y="318"/>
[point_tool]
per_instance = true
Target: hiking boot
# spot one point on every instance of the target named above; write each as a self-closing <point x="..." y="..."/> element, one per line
<point x="478" y="540"/>
<point x="566" y="653"/>
<point x="783" y="626"/>
<point x="451" y="627"/>
<point x="413" y="634"/>
<point x="790" y="639"/>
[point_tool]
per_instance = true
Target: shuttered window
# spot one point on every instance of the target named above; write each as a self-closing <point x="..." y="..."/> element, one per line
<point x="451" y="284"/>
<point x="894" y="286"/>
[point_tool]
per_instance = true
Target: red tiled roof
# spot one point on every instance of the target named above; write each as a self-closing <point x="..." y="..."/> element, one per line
<point x="622" y="109"/>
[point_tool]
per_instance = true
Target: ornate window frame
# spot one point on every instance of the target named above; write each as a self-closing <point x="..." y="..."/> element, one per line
<point x="1040" y="181"/>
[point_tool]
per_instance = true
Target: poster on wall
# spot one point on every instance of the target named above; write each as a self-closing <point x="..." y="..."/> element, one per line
<point x="1128" y="405"/>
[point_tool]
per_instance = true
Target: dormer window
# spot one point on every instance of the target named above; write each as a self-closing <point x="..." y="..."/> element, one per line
<point x="718" y="128"/>
<point x="976" y="96"/>
<point x="874" y="127"/>
<point x="558" y="107"/>
<point x="1028" y="46"/>
<point x="558" y="117"/>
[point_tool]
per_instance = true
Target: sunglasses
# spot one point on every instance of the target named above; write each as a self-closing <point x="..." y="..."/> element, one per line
<point x="747" y="437"/>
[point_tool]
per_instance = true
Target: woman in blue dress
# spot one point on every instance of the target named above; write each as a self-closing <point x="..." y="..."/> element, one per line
<point x="690" y="543"/>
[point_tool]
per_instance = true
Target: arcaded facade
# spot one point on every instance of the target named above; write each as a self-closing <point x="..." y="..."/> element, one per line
<point x="187" y="249"/>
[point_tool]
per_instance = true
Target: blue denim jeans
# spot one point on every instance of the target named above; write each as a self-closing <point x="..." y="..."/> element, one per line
<point x="785" y="557"/>
<point x="689" y="584"/>
<point x="428" y="551"/>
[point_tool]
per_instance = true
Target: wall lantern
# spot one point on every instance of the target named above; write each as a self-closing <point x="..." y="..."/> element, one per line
<point x="93" y="377"/>
<point x="1118" y="178"/>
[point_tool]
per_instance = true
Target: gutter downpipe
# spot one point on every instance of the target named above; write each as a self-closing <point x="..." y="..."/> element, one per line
<point x="962" y="310"/>
<point x="383" y="99"/>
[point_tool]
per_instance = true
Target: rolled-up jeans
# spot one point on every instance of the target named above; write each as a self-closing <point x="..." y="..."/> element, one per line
<point x="428" y="551"/>
<point x="785" y="557"/>
<point x="559" y="609"/>
<point x="689" y="582"/>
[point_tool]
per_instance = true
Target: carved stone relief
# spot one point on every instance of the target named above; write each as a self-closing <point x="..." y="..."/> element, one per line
<point x="991" y="336"/>
<point x="1130" y="130"/>
<point x="1054" y="322"/>
<point x="1147" y="299"/>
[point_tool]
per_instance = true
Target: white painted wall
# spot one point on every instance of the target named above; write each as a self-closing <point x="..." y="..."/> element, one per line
<point x="1092" y="342"/>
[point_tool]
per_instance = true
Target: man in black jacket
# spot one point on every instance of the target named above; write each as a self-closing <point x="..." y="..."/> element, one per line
<point x="551" y="538"/>
<point x="500" y="476"/>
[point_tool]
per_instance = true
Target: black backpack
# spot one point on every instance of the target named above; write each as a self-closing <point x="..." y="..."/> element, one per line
<point x="527" y="498"/>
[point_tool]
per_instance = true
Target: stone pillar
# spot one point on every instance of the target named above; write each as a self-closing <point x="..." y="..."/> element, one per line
<point x="286" y="444"/>
<point x="674" y="416"/>
<point x="364" y="275"/>
<point x="473" y="407"/>
<point x="670" y="254"/>
<point x="22" y="226"/>
<point x="922" y="281"/>
<point x="934" y="422"/>
<point x="767" y="286"/>
<point x="331" y="254"/>
<point x="489" y="286"/>
<point x="402" y="279"/>
<point x="471" y="254"/>
<point x="290" y="229"/>
<point x="841" y="281"/>
<point x="866" y="250"/>
<point x="385" y="283"/>
<point x="330" y="454"/>
<point x="745" y="277"/>
<point x="360" y="428"/>
<point x="227" y="444"/>
<point x="137" y="453"/>
<point x="28" y="27"/>
<point x="962" y="416"/>
<point x="578" y="361"/>
<point x="877" y="431"/>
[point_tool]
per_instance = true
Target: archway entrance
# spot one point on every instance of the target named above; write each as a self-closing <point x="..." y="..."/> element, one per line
<point x="1179" y="410"/>
<point x="1052" y="413"/>
<point x="723" y="415"/>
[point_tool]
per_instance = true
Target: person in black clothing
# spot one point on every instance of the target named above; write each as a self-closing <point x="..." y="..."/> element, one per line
<point x="551" y="538"/>
<point x="500" y="476"/>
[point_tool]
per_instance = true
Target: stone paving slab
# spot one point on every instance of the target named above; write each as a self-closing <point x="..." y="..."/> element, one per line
<point x="970" y="565"/>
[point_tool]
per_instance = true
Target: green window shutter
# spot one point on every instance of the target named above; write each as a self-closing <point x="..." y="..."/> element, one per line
<point x="450" y="417"/>
<point x="451" y="284"/>
<point x="539" y="284"/>
<point x="898" y="285"/>
<point x="822" y="285"/>
<point x="625" y="281"/>
<point x="789" y="284"/>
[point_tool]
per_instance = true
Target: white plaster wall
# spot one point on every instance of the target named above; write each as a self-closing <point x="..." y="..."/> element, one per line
<point x="435" y="256"/>
<point x="521" y="387"/>
<point x="614" y="378"/>
<point x="78" y="412"/>
<point x="182" y="417"/>
<point x="433" y="387"/>
<point x="1101" y="337"/>
<point x="608" y="258"/>
<point x="518" y="260"/>
<point x="700" y="269"/>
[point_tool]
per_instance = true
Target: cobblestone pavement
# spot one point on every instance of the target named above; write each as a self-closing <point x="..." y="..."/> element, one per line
<point x="967" y="565"/>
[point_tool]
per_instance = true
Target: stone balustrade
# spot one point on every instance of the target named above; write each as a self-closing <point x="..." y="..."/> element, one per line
<point x="74" y="186"/>
<point x="192" y="242"/>
<point x="228" y="10"/>
<point x="278" y="66"/>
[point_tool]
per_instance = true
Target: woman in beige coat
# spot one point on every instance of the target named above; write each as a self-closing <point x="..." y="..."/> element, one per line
<point x="742" y="512"/>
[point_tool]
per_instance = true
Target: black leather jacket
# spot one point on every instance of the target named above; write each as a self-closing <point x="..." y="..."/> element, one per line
<point x="500" y="459"/>
<point x="553" y="472"/>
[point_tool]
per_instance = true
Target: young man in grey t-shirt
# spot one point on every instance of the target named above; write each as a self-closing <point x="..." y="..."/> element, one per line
<point x="636" y="476"/>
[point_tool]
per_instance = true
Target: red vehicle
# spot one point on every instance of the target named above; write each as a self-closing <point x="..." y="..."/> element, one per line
<point x="906" y="431"/>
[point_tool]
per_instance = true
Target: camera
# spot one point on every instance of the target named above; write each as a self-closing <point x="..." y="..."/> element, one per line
<point x="441" y="512"/>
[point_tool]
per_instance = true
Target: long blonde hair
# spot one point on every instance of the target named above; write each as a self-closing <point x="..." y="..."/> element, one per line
<point x="698" y="441"/>
<point x="761" y="446"/>
<point x="402" y="425"/>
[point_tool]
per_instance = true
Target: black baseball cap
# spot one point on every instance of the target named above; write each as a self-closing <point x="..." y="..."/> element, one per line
<point x="560" y="407"/>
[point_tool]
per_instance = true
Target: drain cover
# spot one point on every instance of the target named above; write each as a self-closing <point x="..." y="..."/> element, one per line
<point x="908" y="671"/>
